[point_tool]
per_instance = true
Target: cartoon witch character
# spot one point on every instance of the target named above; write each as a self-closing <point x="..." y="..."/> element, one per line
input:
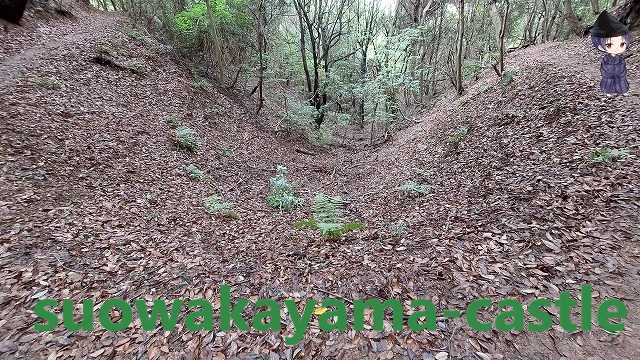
<point x="613" y="37"/>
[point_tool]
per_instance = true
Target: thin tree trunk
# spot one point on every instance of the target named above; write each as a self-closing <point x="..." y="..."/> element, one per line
<point x="502" y="32"/>
<point x="576" y="28"/>
<point x="459" y="54"/>
<point x="260" y="43"/>
<point x="595" y="7"/>
<point x="497" y="26"/>
<point x="217" y="51"/>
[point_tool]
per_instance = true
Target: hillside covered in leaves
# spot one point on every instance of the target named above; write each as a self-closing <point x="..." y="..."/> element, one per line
<point x="125" y="175"/>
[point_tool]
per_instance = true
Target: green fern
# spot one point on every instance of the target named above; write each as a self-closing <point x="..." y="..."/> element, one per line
<point x="194" y="172"/>
<point x="281" y="196"/>
<point x="186" y="138"/>
<point x="327" y="217"/>
<point x="414" y="188"/>
<point x="607" y="155"/>
<point x="215" y="205"/>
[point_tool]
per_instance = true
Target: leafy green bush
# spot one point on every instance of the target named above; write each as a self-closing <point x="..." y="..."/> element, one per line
<point x="414" y="188"/>
<point x="202" y="83"/>
<point x="194" y="172"/>
<point x="186" y="138"/>
<point x="607" y="155"/>
<point x="133" y="33"/>
<point x="398" y="229"/>
<point x="327" y="217"/>
<point x="193" y="18"/>
<point x="215" y="205"/>
<point x="48" y="83"/>
<point x="135" y="67"/>
<point x="507" y="76"/>
<point x="173" y="120"/>
<point x="281" y="196"/>
<point x="456" y="138"/>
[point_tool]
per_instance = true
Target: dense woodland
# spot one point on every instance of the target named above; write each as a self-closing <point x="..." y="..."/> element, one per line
<point x="367" y="62"/>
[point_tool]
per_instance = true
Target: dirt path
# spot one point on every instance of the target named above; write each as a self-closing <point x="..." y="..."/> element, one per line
<point x="95" y="202"/>
<point x="36" y="41"/>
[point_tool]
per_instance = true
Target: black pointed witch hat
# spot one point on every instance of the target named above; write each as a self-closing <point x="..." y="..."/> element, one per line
<point x="608" y="26"/>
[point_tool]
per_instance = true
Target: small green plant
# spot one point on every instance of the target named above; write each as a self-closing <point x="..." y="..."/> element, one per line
<point x="173" y="120"/>
<point x="398" y="229"/>
<point x="226" y="152"/>
<point x="320" y="137"/>
<point x="186" y="138"/>
<point x="414" y="188"/>
<point x="327" y="217"/>
<point x="194" y="172"/>
<point x="135" y="67"/>
<point x="485" y="88"/>
<point x="133" y="33"/>
<point x="507" y="76"/>
<point x="456" y="138"/>
<point x="111" y="47"/>
<point x="216" y="205"/>
<point x="281" y="196"/>
<point x="607" y="155"/>
<point x="202" y="83"/>
<point x="46" y="83"/>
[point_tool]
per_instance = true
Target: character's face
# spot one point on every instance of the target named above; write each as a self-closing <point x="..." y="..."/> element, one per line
<point x="615" y="45"/>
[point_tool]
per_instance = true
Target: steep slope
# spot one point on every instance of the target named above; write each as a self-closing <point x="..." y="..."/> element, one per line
<point x="516" y="209"/>
<point x="96" y="203"/>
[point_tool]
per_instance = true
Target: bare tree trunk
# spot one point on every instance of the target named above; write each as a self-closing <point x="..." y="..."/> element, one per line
<point x="502" y="31"/>
<point x="550" y="24"/>
<point x="217" y="51"/>
<point x="497" y="26"/>
<point x="260" y="43"/>
<point x="434" y="79"/>
<point x="459" y="54"/>
<point x="576" y="28"/>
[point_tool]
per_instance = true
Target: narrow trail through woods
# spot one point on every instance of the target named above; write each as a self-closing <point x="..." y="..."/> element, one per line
<point x="95" y="202"/>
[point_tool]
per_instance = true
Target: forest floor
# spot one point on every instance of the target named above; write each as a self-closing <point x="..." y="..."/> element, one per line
<point x="96" y="203"/>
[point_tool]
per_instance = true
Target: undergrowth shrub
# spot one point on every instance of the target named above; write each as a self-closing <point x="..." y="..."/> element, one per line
<point x="186" y="138"/>
<point x="194" y="172"/>
<point x="172" y="120"/>
<point x="327" y="217"/>
<point x="607" y="155"/>
<point x="414" y="188"/>
<point x="398" y="229"/>
<point x="133" y="33"/>
<point x="46" y="83"/>
<point x="460" y="134"/>
<point x="507" y="76"/>
<point x="191" y="25"/>
<point x="215" y="205"/>
<point x="135" y="67"/>
<point x="281" y="196"/>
